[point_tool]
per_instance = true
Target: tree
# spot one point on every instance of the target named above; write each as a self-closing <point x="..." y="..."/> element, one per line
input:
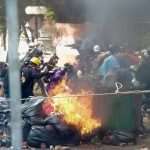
<point x="67" y="10"/>
<point x="3" y="21"/>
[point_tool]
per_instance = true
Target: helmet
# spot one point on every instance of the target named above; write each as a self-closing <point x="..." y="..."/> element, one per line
<point x="96" y="48"/>
<point x="77" y="57"/>
<point x="35" y="60"/>
<point x="67" y="67"/>
<point x="31" y="44"/>
<point x="114" y="48"/>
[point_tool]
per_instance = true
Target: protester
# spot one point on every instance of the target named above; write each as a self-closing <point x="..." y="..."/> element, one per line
<point x="99" y="57"/>
<point x="1" y="89"/>
<point x="142" y="72"/>
<point x="57" y="75"/>
<point x="32" y="52"/>
<point x="5" y="79"/>
<point x="109" y="62"/>
<point x="28" y="74"/>
<point x="118" y="60"/>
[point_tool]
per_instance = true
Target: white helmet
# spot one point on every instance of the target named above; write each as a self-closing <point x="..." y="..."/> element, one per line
<point x="96" y="48"/>
<point x="31" y="44"/>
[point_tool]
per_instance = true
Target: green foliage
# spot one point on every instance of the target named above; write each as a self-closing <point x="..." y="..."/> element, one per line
<point x="2" y="16"/>
<point x="51" y="15"/>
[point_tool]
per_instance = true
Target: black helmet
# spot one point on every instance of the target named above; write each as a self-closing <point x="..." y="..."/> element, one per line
<point x="113" y="48"/>
<point x="67" y="67"/>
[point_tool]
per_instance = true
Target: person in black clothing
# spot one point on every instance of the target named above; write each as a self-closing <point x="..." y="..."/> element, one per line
<point x="1" y="90"/>
<point x="142" y="74"/>
<point x="46" y="66"/>
<point x="28" y="74"/>
<point x="5" y="79"/>
<point x="50" y="66"/>
<point x="52" y="62"/>
<point x="32" y="52"/>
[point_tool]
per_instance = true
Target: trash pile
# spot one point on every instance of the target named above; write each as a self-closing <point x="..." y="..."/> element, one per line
<point x="5" y="126"/>
<point x="51" y="130"/>
<point x="38" y="127"/>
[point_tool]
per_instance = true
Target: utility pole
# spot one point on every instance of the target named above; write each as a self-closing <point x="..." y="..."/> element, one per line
<point x="36" y="21"/>
<point x="14" y="73"/>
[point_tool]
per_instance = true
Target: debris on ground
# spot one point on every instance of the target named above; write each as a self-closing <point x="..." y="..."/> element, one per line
<point x="51" y="131"/>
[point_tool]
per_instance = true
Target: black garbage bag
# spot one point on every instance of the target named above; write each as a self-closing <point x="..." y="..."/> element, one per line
<point x="28" y="123"/>
<point x="69" y="135"/>
<point x="6" y="141"/>
<point x="4" y="106"/>
<point x="37" y="120"/>
<point x="57" y="122"/>
<point x="34" y="121"/>
<point x="53" y="137"/>
<point x="26" y="130"/>
<point x="118" y="137"/>
<point x="98" y="132"/>
<point x="33" y="107"/>
<point x="41" y="134"/>
<point x="5" y="121"/>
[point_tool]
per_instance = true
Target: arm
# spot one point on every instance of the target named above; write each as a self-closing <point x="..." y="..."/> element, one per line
<point x="37" y="75"/>
<point x="57" y="76"/>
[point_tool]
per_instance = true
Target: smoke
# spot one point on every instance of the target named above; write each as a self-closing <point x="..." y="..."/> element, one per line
<point x="113" y="16"/>
<point x="101" y="10"/>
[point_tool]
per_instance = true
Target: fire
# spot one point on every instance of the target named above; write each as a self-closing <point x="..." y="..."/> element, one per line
<point x="59" y="88"/>
<point x="75" y="110"/>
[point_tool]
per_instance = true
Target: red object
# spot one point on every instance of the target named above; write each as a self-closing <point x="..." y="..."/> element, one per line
<point x="48" y="108"/>
<point x="24" y="145"/>
<point x="1" y="133"/>
<point x="133" y="58"/>
<point x="43" y="146"/>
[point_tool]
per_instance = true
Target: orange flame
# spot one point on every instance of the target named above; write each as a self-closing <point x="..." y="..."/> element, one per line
<point x="59" y="88"/>
<point x="75" y="110"/>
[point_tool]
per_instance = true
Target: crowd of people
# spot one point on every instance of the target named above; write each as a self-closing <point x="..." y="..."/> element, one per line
<point x="114" y="64"/>
<point x="34" y="70"/>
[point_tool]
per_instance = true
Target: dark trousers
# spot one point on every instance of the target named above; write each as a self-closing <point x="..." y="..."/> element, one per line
<point x="41" y="85"/>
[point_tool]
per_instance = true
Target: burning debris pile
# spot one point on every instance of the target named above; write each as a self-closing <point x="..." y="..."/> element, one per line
<point x="50" y="129"/>
<point x="63" y="120"/>
<point x="60" y="120"/>
<point x="5" y="138"/>
<point x="57" y="122"/>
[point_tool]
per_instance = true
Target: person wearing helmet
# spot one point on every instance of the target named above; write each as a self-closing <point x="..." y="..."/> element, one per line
<point x="4" y="79"/>
<point x="57" y="76"/>
<point x="142" y="72"/>
<point x="50" y="66"/>
<point x="35" y="61"/>
<point x="28" y="74"/>
<point x="99" y="57"/>
<point x="96" y="48"/>
<point x="113" y="48"/>
<point x="32" y="52"/>
<point x="52" y="62"/>
<point x="31" y="45"/>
